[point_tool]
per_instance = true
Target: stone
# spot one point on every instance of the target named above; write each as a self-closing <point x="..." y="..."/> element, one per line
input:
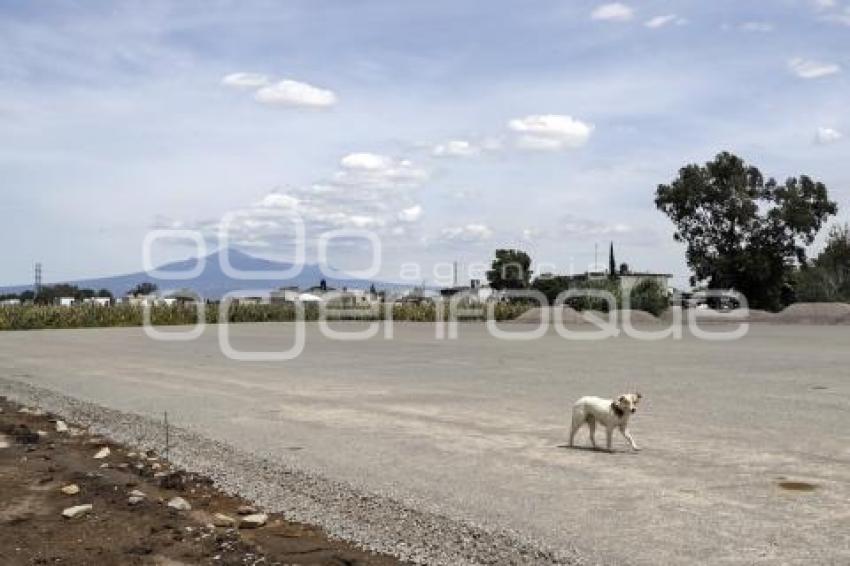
<point x="253" y="521"/>
<point x="102" y="453"/>
<point x="61" y="426"/>
<point x="179" y="504"/>
<point x="76" y="511"/>
<point x="137" y="493"/>
<point x="41" y="433"/>
<point x="222" y="520"/>
<point x="70" y="489"/>
<point x="133" y="500"/>
<point x="247" y="510"/>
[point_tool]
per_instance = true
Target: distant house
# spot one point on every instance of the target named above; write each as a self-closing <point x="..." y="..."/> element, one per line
<point x="65" y="301"/>
<point x="182" y="297"/>
<point x="284" y="295"/>
<point x="10" y="302"/>
<point x="97" y="301"/>
<point x="141" y="300"/>
<point x="475" y="292"/>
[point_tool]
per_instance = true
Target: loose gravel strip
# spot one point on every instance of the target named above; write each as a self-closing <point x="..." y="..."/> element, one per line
<point x="373" y="522"/>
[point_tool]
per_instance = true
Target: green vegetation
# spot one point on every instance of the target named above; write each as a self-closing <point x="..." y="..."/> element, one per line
<point x="511" y="269"/>
<point x="34" y="317"/>
<point x="827" y="279"/>
<point x="742" y="231"/>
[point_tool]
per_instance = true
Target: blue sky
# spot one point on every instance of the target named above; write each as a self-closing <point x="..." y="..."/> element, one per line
<point x="447" y="128"/>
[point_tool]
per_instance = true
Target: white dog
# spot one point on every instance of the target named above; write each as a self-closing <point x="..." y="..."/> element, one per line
<point x="608" y="413"/>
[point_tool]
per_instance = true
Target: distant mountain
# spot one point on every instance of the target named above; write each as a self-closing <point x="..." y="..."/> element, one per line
<point x="213" y="283"/>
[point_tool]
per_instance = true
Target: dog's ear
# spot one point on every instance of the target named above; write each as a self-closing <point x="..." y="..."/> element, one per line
<point x="622" y="399"/>
<point x="639" y="396"/>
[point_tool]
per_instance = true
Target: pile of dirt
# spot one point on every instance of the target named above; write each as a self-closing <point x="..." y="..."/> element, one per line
<point x="535" y="315"/>
<point x="62" y="505"/>
<point x="572" y="316"/>
<point x="634" y="316"/>
<point x="815" y="313"/>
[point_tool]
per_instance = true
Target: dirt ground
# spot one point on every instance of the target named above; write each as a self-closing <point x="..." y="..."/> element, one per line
<point x="36" y="462"/>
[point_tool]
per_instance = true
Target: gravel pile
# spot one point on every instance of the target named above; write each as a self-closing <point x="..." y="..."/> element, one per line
<point x="572" y="316"/>
<point x="374" y="522"/>
<point x="815" y="313"/>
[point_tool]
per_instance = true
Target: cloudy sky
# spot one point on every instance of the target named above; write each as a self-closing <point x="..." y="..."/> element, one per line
<point x="447" y="128"/>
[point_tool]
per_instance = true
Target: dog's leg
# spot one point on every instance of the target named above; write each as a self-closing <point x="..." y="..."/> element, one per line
<point x="609" y="437"/>
<point x="628" y="436"/>
<point x="576" y="424"/>
<point x="591" y="424"/>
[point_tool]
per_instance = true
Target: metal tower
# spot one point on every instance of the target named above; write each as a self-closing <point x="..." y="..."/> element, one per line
<point x="37" y="285"/>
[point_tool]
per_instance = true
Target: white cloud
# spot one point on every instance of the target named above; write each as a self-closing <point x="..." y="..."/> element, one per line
<point x="365" y="161"/>
<point x="293" y="93"/>
<point x="824" y="4"/>
<point x="615" y="12"/>
<point x="455" y="148"/>
<point x="245" y="80"/>
<point x="411" y="214"/>
<point x="550" y="132"/>
<point x="378" y="171"/>
<point x="468" y="234"/>
<point x="840" y="16"/>
<point x="808" y="69"/>
<point x="825" y="136"/>
<point x="574" y="226"/>
<point x="756" y="27"/>
<point x="661" y="21"/>
<point x="280" y="201"/>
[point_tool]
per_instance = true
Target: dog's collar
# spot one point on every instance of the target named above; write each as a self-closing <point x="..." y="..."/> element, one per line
<point x="617" y="410"/>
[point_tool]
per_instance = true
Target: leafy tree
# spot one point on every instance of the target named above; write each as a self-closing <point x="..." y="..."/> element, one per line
<point x="742" y="231"/>
<point x="649" y="296"/>
<point x="828" y="278"/>
<point x="612" y="265"/>
<point x="144" y="288"/>
<point x="105" y="293"/>
<point x="511" y="269"/>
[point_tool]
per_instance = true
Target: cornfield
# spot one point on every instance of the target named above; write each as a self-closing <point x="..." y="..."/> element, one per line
<point x="36" y="317"/>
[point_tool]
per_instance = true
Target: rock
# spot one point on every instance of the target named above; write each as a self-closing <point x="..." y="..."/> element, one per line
<point x="247" y="510"/>
<point x="156" y="466"/>
<point x="76" y="511"/>
<point x="180" y="504"/>
<point x="71" y="489"/>
<point x="137" y="493"/>
<point x="41" y="433"/>
<point x="4" y="441"/>
<point x="253" y="521"/>
<point x="102" y="453"/>
<point x="222" y="520"/>
<point x="105" y="465"/>
<point x="61" y="426"/>
<point x="133" y="500"/>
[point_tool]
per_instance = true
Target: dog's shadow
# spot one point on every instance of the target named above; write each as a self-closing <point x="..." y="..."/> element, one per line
<point x="594" y="449"/>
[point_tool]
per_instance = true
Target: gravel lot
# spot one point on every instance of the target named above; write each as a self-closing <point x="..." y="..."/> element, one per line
<point x="451" y="451"/>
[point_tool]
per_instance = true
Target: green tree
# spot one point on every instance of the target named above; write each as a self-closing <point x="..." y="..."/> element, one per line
<point x="612" y="265"/>
<point x="828" y="277"/>
<point x="649" y="296"/>
<point x="144" y="288"/>
<point x="742" y="231"/>
<point x="511" y="269"/>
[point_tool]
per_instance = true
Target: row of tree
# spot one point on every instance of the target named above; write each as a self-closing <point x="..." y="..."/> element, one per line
<point x="48" y="294"/>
